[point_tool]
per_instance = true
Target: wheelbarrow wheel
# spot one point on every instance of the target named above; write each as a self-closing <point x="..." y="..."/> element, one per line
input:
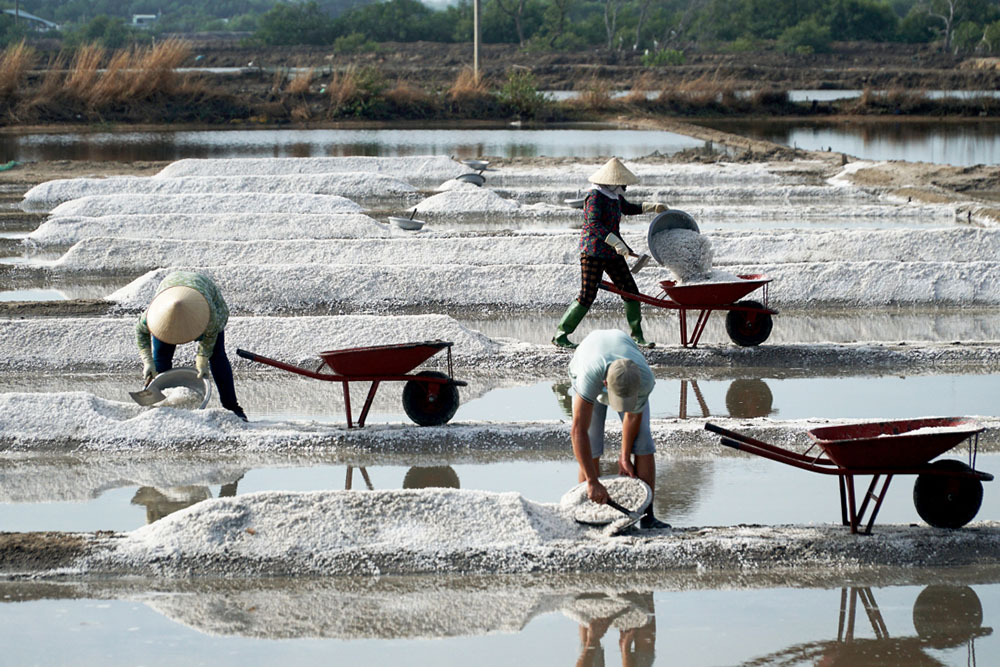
<point x="746" y="328"/>
<point x="947" y="501"/>
<point x="430" y="403"/>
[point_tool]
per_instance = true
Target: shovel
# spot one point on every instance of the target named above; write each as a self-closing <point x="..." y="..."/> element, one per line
<point x="147" y="396"/>
<point x="639" y="263"/>
<point x="620" y="525"/>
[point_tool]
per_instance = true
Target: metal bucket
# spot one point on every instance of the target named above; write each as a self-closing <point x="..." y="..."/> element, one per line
<point x="184" y="377"/>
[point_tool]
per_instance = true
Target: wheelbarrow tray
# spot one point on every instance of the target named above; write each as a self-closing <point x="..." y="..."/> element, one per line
<point x="710" y="295"/>
<point x="387" y="360"/>
<point x="894" y="444"/>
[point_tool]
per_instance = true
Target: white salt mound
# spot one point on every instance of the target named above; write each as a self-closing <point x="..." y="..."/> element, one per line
<point x="685" y="252"/>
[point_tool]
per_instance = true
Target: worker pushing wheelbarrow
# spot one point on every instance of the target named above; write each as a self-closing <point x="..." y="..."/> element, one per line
<point x="430" y="398"/>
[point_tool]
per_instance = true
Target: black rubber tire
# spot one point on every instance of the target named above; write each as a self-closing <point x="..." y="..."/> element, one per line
<point x="423" y="410"/>
<point x="946" y="501"/>
<point x="748" y="329"/>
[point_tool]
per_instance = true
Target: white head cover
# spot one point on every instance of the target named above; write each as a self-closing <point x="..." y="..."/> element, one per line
<point x="613" y="173"/>
<point x="178" y="315"/>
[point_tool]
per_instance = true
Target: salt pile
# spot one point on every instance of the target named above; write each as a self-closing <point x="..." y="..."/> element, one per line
<point x="46" y="195"/>
<point x="206" y="203"/>
<point x="433" y="168"/>
<point x="466" y="200"/>
<point x="236" y="226"/>
<point x="685" y="252"/>
<point x="54" y="343"/>
<point x="365" y="533"/>
<point x="118" y="255"/>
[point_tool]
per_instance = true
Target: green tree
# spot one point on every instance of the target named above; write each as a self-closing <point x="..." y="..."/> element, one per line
<point x="295" y="24"/>
<point x="10" y="32"/>
<point x="861" y="20"/>
<point x="809" y="36"/>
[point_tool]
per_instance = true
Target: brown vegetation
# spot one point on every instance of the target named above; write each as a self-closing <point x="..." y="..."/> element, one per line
<point x="143" y="85"/>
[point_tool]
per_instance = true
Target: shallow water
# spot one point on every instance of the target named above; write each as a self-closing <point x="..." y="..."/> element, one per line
<point x="963" y="143"/>
<point x="584" y="621"/>
<point x="567" y="141"/>
<point x="72" y="495"/>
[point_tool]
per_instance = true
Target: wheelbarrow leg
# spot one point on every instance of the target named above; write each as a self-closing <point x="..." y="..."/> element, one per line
<point x="699" y="327"/>
<point x="877" y="498"/>
<point x="849" y="479"/>
<point x="368" y="403"/>
<point x="843" y="502"/>
<point x="347" y="403"/>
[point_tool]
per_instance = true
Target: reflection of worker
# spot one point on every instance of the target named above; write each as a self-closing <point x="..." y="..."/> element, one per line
<point x="188" y="307"/>
<point x="603" y="251"/>
<point x="636" y="634"/>
<point x="608" y="369"/>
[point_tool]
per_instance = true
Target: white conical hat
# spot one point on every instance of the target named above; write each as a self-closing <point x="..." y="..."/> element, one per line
<point x="613" y="173"/>
<point x="178" y="315"/>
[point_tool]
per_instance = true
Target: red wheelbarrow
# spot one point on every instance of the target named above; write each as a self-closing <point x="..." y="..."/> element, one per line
<point x="430" y="398"/>
<point x="748" y="322"/>
<point x="947" y="493"/>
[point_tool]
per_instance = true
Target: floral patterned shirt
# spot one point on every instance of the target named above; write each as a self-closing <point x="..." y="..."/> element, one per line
<point x="601" y="216"/>
<point x="219" y="312"/>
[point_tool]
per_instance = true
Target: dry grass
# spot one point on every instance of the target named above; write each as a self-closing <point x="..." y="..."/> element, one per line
<point x="300" y="83"/>
<point x="468" y="85"/>
<point x="14" y="65"/>
<point x="596" y="95"/>
<point x="343" y="86"/>
<point x="637" y="91"/>
<point x="405" y="94"/>
<point x="83" y="72"/>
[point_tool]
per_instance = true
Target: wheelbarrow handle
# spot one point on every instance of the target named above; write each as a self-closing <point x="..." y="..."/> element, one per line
<point x="246" y="355"/>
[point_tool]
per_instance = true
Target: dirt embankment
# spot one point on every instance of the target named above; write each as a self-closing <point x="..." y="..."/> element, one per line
<point x="848" y="66"/>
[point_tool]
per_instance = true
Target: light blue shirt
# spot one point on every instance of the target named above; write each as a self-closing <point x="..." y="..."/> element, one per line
<point x="592" y="357"/>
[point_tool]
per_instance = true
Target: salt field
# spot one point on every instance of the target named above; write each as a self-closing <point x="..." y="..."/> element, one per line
<point x="207" y="534"/>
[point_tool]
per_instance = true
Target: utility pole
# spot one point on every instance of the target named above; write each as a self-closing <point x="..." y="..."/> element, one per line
<point x="17" y="11"/>
<point x="475" y="38"/>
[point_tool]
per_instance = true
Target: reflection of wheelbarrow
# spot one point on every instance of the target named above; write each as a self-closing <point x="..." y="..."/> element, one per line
<point x="944" y="616"/>
<point x="947" y="493"/>
<point x="748" y="322"/>
<point x="430" y="398"/>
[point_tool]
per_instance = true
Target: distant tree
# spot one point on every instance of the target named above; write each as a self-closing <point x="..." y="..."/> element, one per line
<point x="861" y="20"/>
<point x="11" y="32"/>
<point x="303" y="23"/>
<point x="808" y="36"/>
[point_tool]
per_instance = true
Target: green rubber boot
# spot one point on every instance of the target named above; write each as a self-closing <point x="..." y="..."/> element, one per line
<point x="633" y="314"/>
<point x="567" y="325"/>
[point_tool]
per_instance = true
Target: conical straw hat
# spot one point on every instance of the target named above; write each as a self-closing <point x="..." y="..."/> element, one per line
<point x="613" y="173"/>
<point x="178" y="315"/>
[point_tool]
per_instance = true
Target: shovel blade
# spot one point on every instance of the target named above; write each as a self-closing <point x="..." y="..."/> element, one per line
<point x="640" y="263"/>
<point x="147" y="396"/>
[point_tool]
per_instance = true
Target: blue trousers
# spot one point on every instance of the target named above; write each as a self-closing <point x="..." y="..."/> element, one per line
<point x="222" y="371"/>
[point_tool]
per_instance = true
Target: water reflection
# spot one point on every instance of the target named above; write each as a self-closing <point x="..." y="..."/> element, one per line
<point x="554" y="141"/>
<point x="746" y="398"/>
<point x="632" y="614"/>
<point x="944" y="617"/>
<point x="160" y="502"/>
<point x="961" y="143"/>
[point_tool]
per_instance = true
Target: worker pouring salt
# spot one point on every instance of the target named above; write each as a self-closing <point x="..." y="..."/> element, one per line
<point x="603" y="251"/>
